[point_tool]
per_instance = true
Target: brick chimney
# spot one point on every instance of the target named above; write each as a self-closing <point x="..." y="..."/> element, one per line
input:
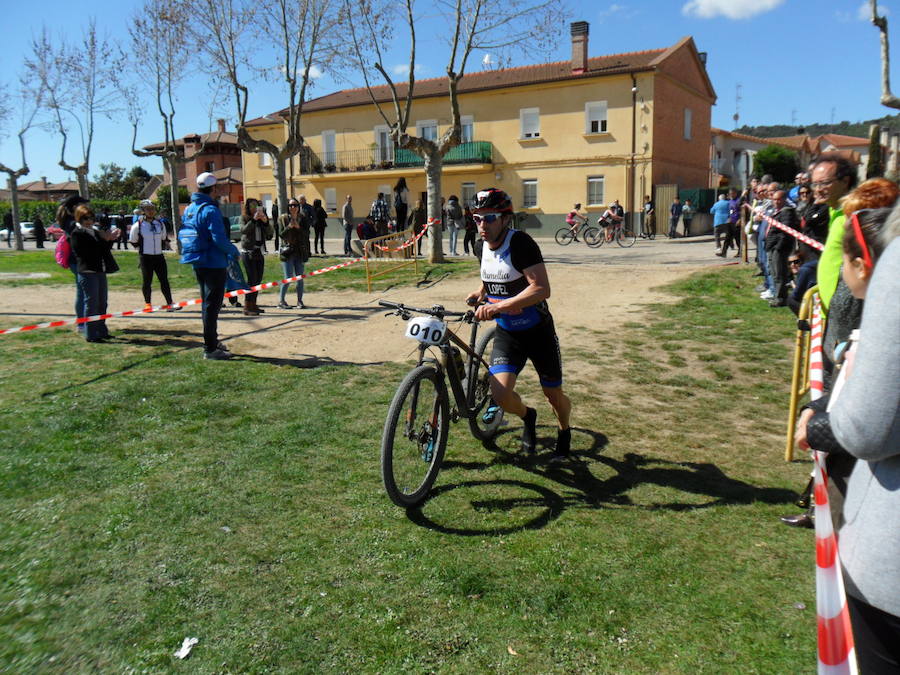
<point x="221" y="123"/>
<point x="579" y="46"/>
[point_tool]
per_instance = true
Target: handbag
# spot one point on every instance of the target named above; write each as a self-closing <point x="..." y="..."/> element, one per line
<point x="286" y="252"/>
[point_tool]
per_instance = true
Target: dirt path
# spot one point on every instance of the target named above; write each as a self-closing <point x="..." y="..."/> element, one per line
<point x="590" y="290"/>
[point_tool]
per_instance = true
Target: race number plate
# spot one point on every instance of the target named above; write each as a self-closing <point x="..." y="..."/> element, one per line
<point x="426" y="329"/>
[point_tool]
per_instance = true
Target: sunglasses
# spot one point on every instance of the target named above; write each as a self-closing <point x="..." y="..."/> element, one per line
<point x="793" y="262"/>
<point x="487" y="218"/>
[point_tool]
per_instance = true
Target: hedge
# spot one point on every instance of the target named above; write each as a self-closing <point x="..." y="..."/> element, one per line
<point x="27" y="210"/>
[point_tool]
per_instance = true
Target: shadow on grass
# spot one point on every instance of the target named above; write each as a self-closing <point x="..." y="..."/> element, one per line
<point x="584" y="489"/>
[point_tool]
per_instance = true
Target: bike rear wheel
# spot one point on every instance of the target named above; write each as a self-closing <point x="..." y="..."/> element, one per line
<point x="478" y="395"/>
<point x="564" y="236"/>
<point x="415" y="436"/>
<point x="625" y="237"/>
<point x="593" y="237"/>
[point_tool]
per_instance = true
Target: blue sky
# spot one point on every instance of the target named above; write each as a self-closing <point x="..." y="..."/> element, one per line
<point x="797" y="61"/>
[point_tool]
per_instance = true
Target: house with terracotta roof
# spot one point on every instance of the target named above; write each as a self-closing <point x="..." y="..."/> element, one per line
<point x="588" y="130"/>
<point x="42" y="191"/>
<point x="731" y="156"/>
<point x="852" y="147"/>
<point x="220" y="156"/>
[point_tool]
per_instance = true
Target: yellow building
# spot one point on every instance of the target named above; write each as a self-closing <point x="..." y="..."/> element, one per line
<point x="589" y="130"/>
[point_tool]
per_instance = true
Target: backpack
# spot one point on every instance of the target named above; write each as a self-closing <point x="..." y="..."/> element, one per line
<point x="63" y="251"/>
<point x="193" y="245"/>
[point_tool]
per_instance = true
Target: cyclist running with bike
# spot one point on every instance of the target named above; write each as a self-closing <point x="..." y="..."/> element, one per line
<point x="515" y="285"/>
<point x="575" y="219"/>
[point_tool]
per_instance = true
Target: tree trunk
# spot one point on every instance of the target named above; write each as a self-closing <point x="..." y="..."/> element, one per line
<point x="280" y="174"/>
<point x="172" y="165"/>
<point x="14" y="207"/>
<point x="433" y="163"/>
<point x="81" y="176"/>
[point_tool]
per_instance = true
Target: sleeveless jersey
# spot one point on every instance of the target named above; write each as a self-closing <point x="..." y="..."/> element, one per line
<point x="501" y="273"/>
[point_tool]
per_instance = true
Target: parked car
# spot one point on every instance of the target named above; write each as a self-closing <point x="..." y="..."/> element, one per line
<point x="26" y="228"/>
<point x="235" y="232"/>
<point x="54" y="232"/>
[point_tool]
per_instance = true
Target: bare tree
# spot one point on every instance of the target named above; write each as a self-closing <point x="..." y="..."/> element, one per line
<point x="304" y="33"/>
<point x="887" y="98"/>
<point x="470" y="25"/>
<point x="78" y="82"/>
<point x="160" y="67"/>
<point x="29" y="109"/>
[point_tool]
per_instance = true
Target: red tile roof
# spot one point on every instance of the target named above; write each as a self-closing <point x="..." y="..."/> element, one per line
<point x="841" y="141"/>
<point x="215" y="137"/>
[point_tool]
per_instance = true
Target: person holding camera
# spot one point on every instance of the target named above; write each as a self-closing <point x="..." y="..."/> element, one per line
<point x="294" y="251"/>
<point x="255" y="230"/>
<point x="92" y="246"/>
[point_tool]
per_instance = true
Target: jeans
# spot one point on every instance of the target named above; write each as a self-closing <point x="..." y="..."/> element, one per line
<point x="151" y="264"/>
<point x="454" y="233"/>
<point x="686" y="223"/>
<point x="673" y="226"/>
<point x="95" y="293"/>
<point x="348" y="235"/>
<point x="761" y="253"/>
<point x="254" y="264"/>
<point x="212" y="290"/>
<point x="292" y="267"/>
<point x="79" y="295"/>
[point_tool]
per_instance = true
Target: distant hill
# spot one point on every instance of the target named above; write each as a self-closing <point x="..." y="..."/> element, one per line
<point x="858" y="129"/>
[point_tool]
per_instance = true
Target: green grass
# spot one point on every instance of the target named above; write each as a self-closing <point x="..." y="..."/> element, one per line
<point x="149" y="496"/>
<point x="181" y="277"/>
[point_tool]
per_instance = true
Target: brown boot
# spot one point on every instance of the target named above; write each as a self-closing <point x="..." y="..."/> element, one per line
<point x="250" y="308"/>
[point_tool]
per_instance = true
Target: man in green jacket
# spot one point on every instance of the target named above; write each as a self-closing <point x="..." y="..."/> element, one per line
<point x="833" y="176"/>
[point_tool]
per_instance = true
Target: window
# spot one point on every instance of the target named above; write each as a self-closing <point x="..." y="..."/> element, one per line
<point x="467" y="122"/>
<point x="388" y="193"/>
<point x="530" y="122"/>
<point x="427" y="129"/>
<point x="595" y="190"/>
<point x="595" y="117"/>
<point x="529" y="193"/>
<point x="468" y="194"/>
<point x="266" y="200"/>
<point x="687" y="124"/>
<point x="265" y="159"/>
<point x="329" y="156"/>
<point x="210" y="166"/>
<point x="384" y="147"/>
<point x="331" y="199"/>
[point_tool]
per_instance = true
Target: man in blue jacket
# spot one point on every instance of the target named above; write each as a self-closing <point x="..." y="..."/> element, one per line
<point x="205" y="245"/>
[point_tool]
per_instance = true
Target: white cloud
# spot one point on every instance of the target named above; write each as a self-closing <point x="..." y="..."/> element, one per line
<point x="864" y="13"/>
<point x="402" y="69"/>
<point x="315" y="72"/>
<point x="730" y="9"/>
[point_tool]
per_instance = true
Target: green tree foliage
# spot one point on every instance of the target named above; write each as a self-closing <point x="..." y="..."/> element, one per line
<point x="165" y="201"/>
<point x="845" y="128"/>
<point x="778" y="161"/>
<point x="113" y="183"/>
<point x="875" y="167"/>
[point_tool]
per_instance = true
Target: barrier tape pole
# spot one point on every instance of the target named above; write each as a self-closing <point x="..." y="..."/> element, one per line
<point x="819" y="246"/>
<point x="836" y="654"/>
<point x="183" y="303"/>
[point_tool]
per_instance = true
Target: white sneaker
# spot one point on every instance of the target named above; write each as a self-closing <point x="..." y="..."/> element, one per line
<point x="766" y="295"/>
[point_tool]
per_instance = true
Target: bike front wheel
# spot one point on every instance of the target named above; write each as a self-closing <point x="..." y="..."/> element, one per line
<point x="415" y="436"/>
<point x="485" y="416"/>
<point x="625" y="237"/>
<point x="593" y="237"/>
<point x="564" y="236"/>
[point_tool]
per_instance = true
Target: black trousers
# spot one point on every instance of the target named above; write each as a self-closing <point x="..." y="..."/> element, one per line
<point x="469" y="240"/>
<point x="212" y="291"/>
<point x="319" y="241"/>
<point x="155" y="264"/>
<point x="402" y="211"/>
<point x="876" y="635"/>
<point x="254" y="266"/>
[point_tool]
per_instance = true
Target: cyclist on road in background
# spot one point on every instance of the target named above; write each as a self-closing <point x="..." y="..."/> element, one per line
<point x="575" y="220"/>
<point x="613" y="216"/>
<point x="515" y="284"/>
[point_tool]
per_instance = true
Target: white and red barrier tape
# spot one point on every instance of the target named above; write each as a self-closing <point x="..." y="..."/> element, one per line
<point x="795" y="233"/>
<point x="836" y="655"/>
<point x="409" y="242"/>
<point x="183" y="303"/>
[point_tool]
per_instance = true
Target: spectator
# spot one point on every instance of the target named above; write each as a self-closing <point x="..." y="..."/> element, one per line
<point x="148" y="236"/>
<point x="347" y="219"/>
<point x="455" y="221"/>
<point x="674" y="215"/>
<point x="380" y="214"/>
<point x="687" y="216"/>
<point x="66" y="221"/>
<point x="294" y="251"/>
<point x="833" y="176"/>
<point x="40" y="232"/>
<point x="779" y="244"/>
<point x="418" y="219"/>
<point x="472" y="229"/>
<point x="205" y="246"/>
<point x="92" y="248"/>
<point x="804" y="271"/>
<point x="255" y="230"/>
<point x="320" y="222"/>
<point x="649" y="216"/>
<point x="401" y="202"/>
<point x="733" y="233"/>
<point x="804" y="201"/>
<point x="719" y="213"/>
<point x="9" y="227"/>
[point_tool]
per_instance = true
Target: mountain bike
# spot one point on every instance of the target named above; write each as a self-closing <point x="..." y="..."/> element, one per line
<point x="589" y="235"/>
<point x="418" y="419"/>
<point x="619" y="232"/>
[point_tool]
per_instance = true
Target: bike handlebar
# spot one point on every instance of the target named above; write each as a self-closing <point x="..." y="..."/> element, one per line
<point x="405" y="311"/>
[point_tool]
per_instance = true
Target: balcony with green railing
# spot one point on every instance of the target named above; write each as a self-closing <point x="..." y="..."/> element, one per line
<point x="387" y="158"/>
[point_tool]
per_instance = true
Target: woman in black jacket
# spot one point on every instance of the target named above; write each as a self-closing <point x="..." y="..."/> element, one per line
<point x="91" y="247"/>
<point x="320" y="221"/>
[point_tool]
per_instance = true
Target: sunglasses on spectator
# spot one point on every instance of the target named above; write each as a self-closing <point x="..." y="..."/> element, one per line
<point x="793" y="262"/>
<point x="486" y="218"/>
